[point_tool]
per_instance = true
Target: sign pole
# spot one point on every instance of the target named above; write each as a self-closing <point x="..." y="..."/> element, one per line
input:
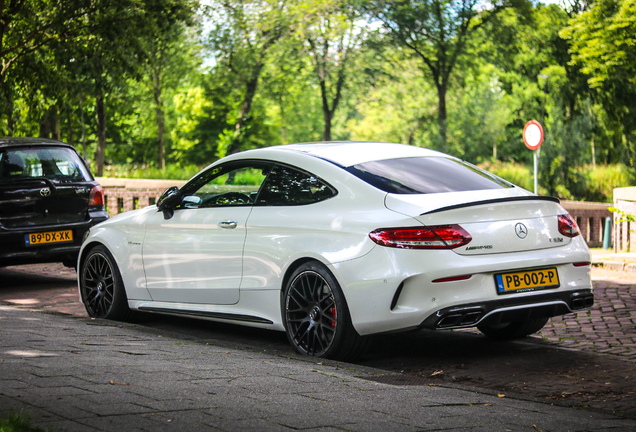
<point x="536" y="170"/>
<point x="532" y="138"/>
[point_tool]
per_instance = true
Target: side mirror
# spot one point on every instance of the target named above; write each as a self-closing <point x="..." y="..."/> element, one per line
<point x="168" y="200"/>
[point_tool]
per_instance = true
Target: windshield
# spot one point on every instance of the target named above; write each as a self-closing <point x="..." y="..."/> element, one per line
<point x="425" y="175"/>
<point x="56" y="164"/>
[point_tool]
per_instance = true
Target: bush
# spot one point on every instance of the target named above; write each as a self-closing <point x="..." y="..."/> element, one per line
<point x="602" y="181"/>
<point x="515" y="173"/>
<point x="594" y="185"/>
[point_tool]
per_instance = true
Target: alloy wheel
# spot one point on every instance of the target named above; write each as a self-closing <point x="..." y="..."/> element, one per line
<point x="311" y="313"/>
<point x="98" y="285"/>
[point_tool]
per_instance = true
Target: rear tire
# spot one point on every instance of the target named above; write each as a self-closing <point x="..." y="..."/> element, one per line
<point x="316" y="315"/>
<point x="513" y="330"/>
<point x="101" y="286"/>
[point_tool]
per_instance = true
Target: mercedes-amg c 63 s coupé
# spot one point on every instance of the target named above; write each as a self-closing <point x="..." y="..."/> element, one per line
<point x="334" y="242"/>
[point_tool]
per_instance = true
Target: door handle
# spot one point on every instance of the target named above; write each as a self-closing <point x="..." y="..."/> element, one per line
<point x="228" y="224"/>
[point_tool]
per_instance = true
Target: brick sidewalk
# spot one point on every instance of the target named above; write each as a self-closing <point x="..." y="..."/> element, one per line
<point x="610" y="327"/>
<point x="586" y="359"/>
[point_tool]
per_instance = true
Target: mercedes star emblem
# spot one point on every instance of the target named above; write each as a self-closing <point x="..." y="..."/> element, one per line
<point x="521" y="230"/>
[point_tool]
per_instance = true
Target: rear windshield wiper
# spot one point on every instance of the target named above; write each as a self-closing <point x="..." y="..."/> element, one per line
<point x="28" y="179"/>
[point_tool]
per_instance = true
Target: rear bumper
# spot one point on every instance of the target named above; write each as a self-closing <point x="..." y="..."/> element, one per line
<point x="14" y="251"/>
<point x="510" y="310"/>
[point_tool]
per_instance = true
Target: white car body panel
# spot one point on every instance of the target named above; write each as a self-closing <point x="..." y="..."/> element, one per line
<point x="192" y="258"/>
<point x="123" y="235"/>
<point x="189" y="265"/>
<point x="369" y="297"/>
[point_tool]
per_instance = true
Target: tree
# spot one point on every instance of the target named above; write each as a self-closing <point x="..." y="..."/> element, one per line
<point x="245" y="33"/>
<point x="437" y="31"/>
<point x="333" y="38"/>
<point x="27" y="26"/>
<point x="168" y="61"/>
<point x="603" y="43"/>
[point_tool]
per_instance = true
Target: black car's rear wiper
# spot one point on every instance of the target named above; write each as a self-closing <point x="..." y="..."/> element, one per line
<point x="27" y="179"/>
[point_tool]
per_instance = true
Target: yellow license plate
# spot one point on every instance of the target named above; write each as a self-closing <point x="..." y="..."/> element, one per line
<point x="529" y="280"/>
<point x="48" y="237"/>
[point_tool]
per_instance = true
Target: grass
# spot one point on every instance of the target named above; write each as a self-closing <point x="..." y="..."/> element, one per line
<point x="18" y="423"/>
<point x="133" y="171"/>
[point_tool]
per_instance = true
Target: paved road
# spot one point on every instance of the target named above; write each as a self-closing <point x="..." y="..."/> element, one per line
<point x="77" y="374"/>
<point x="584" y="360"/>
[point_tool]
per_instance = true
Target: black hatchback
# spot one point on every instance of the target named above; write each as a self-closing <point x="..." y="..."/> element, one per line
<point x="48" y="200"/>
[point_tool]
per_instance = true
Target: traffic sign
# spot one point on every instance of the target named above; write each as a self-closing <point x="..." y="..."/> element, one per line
<point x="533" y="134"/>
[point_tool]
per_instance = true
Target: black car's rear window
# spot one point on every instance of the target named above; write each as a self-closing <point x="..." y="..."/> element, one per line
<point x="424" y="175"/>
<point x="56" y="164"/>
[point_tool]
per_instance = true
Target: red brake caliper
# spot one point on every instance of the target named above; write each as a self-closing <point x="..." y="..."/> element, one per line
<point x="333" y="316"/>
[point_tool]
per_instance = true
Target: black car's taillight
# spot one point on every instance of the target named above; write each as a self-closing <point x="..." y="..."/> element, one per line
<point x="96" y="197"/>
<point x="568" y="226"/>
<point x="431" y="237"/>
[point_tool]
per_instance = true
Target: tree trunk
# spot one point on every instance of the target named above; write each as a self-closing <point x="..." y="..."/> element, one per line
<point x="69" y="122"/>
<point x="101" y="133"/>
<point x="10" y="118"/>
<point x="56" y="132"/>
<point x="81" y="104"/>
<point x="246" y="107"/>
<point x="156" y="67"/>
<point x="45" y="126"/>
<point x="161" y="155"/>
<point x="441" y="115"/>
<point x="326" y="136"/>
<point x="10" y="124"/>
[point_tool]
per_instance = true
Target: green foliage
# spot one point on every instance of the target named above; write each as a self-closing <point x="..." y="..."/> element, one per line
<point x="170" y="172"/>
<point x="520" y="175"/>
<point x="622" y="216"/>
<point x="178" y="84"/>
<point x="602" y="180"/>
<point x="603" y="44"/>
<point x="18" y="423"/>
<point x="597" y="184"/>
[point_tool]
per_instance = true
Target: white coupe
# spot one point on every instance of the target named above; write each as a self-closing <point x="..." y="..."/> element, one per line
<point x="334" y="242"/>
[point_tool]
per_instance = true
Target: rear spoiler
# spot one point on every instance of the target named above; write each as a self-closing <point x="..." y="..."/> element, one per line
<point x="494" y="201"/>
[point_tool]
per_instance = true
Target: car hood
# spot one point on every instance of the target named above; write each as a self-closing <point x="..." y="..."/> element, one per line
<point x="512" y="220"/>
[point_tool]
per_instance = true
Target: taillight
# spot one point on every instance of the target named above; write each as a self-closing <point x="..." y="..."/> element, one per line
<point x="96" y="197"/>
<point x="432" y="237"/>
<point x="568" y="226"/>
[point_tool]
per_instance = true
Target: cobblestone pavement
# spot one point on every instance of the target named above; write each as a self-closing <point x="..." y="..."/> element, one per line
<point x="586" y="359"/>
<point x="610" y="327"/>
<point x="581" y="360"/>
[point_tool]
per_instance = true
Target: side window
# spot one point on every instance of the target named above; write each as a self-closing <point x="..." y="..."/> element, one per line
<point x="227" y="185"/>
<point x="288" y="186"/>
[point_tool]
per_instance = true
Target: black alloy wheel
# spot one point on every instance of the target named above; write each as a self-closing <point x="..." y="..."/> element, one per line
<point x="316" y="316"/>
<point x="101" y="286"/>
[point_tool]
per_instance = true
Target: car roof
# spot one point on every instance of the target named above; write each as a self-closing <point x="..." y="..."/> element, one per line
<point x="25" y="141"/>
<point x="356" y="152"/>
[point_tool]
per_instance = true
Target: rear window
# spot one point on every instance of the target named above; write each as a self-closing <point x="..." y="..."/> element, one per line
<point x="56" y="164"/>
<point x="426" y="175"/>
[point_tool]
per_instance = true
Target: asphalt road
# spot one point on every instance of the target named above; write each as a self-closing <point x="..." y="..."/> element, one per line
<point x="585" y="360"/>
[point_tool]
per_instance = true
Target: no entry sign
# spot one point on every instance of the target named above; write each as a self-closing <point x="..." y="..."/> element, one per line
<point x="533" y="135"/>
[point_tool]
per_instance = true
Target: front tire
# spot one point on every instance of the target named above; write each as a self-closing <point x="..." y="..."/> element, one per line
<point x="316" y="316"/>
<point x="513" y="330"/>
<point x="101" y="286"/>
